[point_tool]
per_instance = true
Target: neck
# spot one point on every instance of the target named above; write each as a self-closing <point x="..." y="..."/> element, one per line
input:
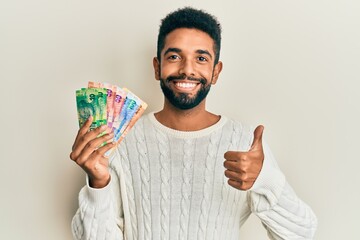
<point x="193" y="119"/>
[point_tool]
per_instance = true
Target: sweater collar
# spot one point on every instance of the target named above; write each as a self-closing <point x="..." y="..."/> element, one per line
<point x="186" y="134"/>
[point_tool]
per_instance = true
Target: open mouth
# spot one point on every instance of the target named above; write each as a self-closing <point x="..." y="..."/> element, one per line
<point x="185" y="86"/>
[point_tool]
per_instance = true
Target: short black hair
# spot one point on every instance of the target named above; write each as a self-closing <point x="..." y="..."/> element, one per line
<point x="190" y="18"/>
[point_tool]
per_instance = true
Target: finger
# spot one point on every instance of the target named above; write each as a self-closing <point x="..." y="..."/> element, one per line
<point x="237" y="185"/>
<point x="91" y="146"/>
<point x="257" y="142"/>
<point x="96" y="144"/>
<point x="85" y="139"/>
<point x="232" y="166"/>
<point x="234" y="155"/>
<point x="240" y="176"/>
<point x="240" y="185"/>
<point x="98" y="156"/>
<point x="235" y="175"/>
<point x="102" y="150"/>
<point x="83" y="130"/>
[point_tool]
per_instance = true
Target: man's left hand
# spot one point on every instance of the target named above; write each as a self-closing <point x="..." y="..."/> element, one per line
<point x="242" y="168"/>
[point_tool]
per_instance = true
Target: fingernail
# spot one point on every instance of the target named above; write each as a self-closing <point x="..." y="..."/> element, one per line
<point x="103" y="127"/>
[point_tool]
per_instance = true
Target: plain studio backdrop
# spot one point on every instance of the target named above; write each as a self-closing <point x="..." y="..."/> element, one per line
<point x="290" y="65"/>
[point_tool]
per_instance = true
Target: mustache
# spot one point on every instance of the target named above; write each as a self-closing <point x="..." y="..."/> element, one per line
<point x="183" y="77"/>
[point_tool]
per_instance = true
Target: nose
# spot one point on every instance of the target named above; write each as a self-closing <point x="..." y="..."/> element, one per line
<point x="187" y="68"/>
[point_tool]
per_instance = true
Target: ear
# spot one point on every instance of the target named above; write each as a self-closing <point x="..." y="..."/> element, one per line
<point x="217" y="70"/>
<point x="156" y="65"/>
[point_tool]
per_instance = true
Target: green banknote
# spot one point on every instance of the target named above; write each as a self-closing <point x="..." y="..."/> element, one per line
<point x="91" y="102"/>
<point x="101" y="108"/>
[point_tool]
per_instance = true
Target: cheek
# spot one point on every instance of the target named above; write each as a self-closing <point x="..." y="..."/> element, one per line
<point x="206" y="72"/>
<point x="167" y="70"/>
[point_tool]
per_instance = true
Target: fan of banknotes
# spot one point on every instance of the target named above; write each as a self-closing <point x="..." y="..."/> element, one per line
<point x="117" y="107"/>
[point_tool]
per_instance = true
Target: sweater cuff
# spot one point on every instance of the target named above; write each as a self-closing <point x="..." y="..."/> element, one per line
<point x="98" y="196"/>
<point x="270" y="183"/>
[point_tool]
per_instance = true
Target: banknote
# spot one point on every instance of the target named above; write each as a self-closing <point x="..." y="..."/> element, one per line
<point x="110" y="96"/>
<point x="92" y="84"/>
<point x="131" y="105"/>
<point x="132" y="122"/>
<point x="89" y="103"/>
<point x="119" y="101"/>
<point x="101" y="99"/>
<point x="111" y="93"/>
<point x="117" y="107"/>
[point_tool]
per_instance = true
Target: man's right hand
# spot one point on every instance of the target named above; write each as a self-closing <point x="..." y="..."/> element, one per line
<point x="88" y="154"/>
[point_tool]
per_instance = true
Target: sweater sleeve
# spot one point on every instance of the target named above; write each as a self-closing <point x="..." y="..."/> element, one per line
<point x="272" y="199"/>
<point x="100" y="214"/>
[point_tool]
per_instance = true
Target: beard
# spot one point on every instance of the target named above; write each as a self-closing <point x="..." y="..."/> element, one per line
<point x="183" y="101"/>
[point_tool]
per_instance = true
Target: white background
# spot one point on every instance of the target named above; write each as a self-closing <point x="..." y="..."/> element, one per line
<point x="290" y="65"/>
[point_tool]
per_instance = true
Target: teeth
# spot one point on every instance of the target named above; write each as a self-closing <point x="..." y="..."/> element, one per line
<point x="186" y="85"/>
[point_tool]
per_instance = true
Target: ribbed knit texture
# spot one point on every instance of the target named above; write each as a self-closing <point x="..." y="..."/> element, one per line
<point x="176" y="189"/>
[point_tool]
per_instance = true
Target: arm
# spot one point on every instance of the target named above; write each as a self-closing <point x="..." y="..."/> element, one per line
<point x="272" y="199"/>
<point x="100" y="214"/>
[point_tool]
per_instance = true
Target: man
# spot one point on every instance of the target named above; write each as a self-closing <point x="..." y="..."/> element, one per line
<point x="183" y="172"/>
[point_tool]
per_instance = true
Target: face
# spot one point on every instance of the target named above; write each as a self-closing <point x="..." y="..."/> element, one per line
<point x="186" y="69"/>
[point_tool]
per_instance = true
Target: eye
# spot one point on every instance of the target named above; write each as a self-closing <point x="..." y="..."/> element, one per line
<point x="173" y="57"/>
<point x="202" y="59"/>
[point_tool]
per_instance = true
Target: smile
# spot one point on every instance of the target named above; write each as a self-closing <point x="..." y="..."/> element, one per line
<point x="185" y="85"/>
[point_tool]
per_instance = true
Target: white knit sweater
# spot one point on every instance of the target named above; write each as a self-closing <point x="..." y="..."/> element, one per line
<point x="169" y="184"/>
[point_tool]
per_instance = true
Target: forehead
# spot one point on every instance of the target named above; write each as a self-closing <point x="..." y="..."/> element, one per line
<point x="188" y="39"/>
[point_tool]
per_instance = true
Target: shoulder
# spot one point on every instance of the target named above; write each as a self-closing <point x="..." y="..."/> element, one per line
<point x="241" y="132"/>
<point x="239" y="127"/>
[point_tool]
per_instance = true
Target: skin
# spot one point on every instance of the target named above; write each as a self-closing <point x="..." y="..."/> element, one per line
<point x="188" y="52"/>
<point x="243" y="168"/>
<point x="195" y="58"/>
<point x="88" y="154"/>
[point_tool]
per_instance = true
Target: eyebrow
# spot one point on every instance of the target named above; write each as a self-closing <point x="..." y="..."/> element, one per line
<point x="200" y="51"/>
<point x="178" y="50"/>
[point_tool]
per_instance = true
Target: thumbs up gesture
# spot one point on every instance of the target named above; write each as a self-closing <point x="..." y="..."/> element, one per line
<point x="242" y="168"/>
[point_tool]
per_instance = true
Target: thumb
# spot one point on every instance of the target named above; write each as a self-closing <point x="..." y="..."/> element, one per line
<point x="257" y="142"/>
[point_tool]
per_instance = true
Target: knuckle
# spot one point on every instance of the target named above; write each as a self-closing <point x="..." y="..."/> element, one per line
<point x="97" y="153"/>
<point x="80" y="160"/>
<point x="92" y="144"/>
<point x="243" y="168"/>
<point x="82" y="138"/>
<point x="243" y="177"/>
<point x="87" y="164"/>
<point x="82" y="132"/>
